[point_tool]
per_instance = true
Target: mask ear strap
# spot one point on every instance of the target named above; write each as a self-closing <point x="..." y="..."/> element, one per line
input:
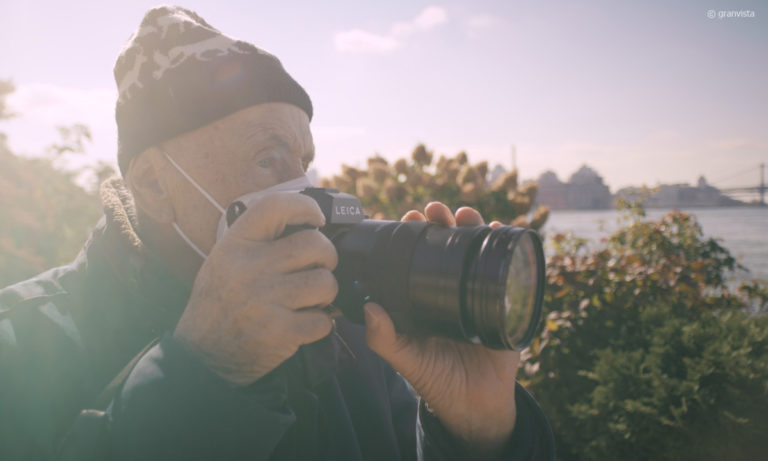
<point x="189" y="241"/>
<point x="194" y="183"/>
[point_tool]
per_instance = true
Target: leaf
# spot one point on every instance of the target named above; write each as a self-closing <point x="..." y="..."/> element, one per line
<point x="552" y="325"/>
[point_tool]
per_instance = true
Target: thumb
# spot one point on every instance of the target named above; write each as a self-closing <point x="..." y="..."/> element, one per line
<point x="380" y="332"/>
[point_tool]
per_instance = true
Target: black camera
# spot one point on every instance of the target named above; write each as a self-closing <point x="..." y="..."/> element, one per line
<point x="474" y="284"/>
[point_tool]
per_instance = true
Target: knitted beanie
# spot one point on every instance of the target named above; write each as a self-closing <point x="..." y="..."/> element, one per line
<point x="177" y="73"/>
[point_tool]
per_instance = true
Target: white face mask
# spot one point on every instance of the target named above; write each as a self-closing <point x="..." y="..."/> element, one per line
<point x="237" y="207"/>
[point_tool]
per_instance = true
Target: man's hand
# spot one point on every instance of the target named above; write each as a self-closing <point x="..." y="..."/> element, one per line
<point x="256" y="299"/>
<point x="469" y="387"/>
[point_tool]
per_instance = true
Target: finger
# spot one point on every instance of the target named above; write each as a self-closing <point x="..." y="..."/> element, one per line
<point x="466" y="216"/>
<point x="267" y="216"/>
<point x="308" y="288"/>
<point x="437" y="212"/>
<point x="380" y="333"/>
<point x="309" y="326"/>
<point x="501" y="361"/>
<point x="301" y="250"/>
<point x="249" y="260"/>
<point x="413" y="215"/>
<point x="495" y="224"/>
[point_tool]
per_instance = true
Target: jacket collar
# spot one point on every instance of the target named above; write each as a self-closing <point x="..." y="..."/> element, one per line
<point x="117" y="258"/>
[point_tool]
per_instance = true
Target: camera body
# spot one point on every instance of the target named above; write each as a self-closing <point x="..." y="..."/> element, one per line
<point x="337" y="207"/>
<point x="360" y="264"/>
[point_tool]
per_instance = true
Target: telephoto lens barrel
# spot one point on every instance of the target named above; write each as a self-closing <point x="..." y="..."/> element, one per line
<point x="473" y="284"/>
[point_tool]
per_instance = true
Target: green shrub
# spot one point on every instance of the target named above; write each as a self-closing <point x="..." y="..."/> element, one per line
<point x="45" y="216"/>
<point x="647" y="352"/>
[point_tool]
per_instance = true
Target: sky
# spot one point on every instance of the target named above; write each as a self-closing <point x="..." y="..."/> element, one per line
<point x="643" y="92"/>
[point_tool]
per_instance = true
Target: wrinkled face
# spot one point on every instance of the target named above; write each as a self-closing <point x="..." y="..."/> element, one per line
<point x="247" y="151"/>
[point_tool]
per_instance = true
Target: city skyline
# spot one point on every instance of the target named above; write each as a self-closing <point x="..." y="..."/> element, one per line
<point x="748" y="177"/>
<point x="647" y="94"/>
<point x="586" y="188"/>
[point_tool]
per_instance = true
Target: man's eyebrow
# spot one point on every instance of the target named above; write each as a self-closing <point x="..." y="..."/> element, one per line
<point x="307" y="157"/>
<point x="277" y="139"/>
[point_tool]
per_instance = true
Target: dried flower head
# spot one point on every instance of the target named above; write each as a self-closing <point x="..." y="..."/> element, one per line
<point x="482" y="169"/>
<point x="441" y="162"/>
<point x="530" y="190"/>
<point x="393" y="191"/>
<point x="470" y="193"/>
<point x="342" y="183"/>
<point x="452" y="172"/>
<point x="377" y="160"/>
<point x="520" y="203"/>
<point x="506" y="182"/>
<point x="366" y="189"/>
<point x="540" y="217"/>
<point x="401" y="166"/>
<point x="420" y="155"/>
<point x="417" y="178"/>
<point x="379" y="172"/>
<point x="467" y="174"/>
<point x="351" y="173"/>
<point x="520" y="221"/>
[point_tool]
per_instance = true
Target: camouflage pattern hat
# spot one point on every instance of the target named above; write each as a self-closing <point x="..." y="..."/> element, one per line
<point x="177" y="73"/>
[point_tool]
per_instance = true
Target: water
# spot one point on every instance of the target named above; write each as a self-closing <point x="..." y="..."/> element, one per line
<point x="743" y="230"/>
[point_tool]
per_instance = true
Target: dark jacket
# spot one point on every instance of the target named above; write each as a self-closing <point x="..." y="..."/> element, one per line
<point x="67" y="332"/>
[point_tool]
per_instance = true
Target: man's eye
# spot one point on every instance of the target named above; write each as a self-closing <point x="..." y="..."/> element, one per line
<point x="266" y="162"/>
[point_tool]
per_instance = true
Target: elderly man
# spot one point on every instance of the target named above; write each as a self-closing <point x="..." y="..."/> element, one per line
<point x="251" y="366"/>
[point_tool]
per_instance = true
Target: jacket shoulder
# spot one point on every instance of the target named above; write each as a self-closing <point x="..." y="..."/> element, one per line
<point x="40" y="286"/>
<point x="41" y="362"/>
<point x="35" y="304"/>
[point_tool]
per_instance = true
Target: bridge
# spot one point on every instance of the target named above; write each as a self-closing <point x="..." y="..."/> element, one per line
<point x="745" y="192"/>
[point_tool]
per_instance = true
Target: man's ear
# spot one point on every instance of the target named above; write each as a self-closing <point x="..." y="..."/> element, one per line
<point x="150" y="191"/>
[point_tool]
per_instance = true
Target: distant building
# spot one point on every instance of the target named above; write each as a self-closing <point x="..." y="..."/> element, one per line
<point x="682" y="196"/>
<point x="584" y="190"/>
<point x="552" y="191"/>
<point x="497" y="172"/>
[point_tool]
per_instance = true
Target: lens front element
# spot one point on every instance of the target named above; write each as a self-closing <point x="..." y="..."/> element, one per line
<point x="505" y="288"/>
<point x="521" y="289"/>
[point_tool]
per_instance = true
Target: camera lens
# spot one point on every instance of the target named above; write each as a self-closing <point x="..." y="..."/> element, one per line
<point x="469" y="283"/>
